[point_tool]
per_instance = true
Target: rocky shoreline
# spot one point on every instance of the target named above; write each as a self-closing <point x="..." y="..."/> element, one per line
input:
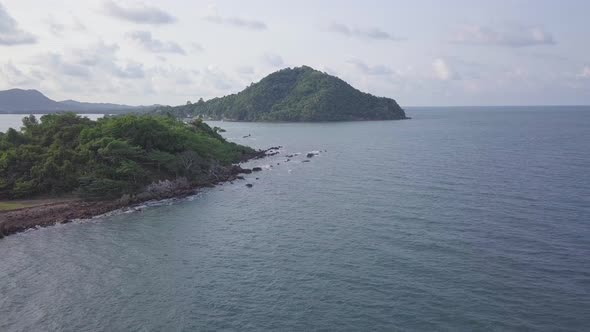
<point x="19" y="220"/>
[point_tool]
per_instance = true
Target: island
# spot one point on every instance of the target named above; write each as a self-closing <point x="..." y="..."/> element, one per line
<point x="64" y="166"/>
<point x="71" y="167"/>
<point x="300" y="94"/>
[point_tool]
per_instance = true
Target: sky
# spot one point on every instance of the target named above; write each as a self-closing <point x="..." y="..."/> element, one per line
<point x="421" y="52"/>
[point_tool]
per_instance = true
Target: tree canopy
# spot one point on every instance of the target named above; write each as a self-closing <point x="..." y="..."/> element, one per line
<point x="294" y="94"/>
<point x="65" y="153"/>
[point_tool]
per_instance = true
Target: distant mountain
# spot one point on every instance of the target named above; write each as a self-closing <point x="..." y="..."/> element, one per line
<point x="17" y="100"/>
<point x="294" y="94"/>
<point x="33" y="101"/>
<point x="95" y="106"/>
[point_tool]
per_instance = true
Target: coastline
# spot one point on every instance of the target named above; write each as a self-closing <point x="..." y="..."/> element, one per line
<point x="63" y="212"/>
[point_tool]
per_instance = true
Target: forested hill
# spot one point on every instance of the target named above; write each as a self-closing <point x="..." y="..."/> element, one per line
<point x="292" y="95"/>
<point x="110" y="157"/>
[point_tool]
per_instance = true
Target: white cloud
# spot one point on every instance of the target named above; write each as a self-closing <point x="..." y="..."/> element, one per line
<point x="10" y="33"/>
<point x="60" y="26"/>
<point x="251" y="24"/>
<point x="378" y="70"/>
<point x="273" y="60"/>
<point x="197" y="47"/>
<point x="15" y="77"/>
<point x="442" y="71"/>
<point x="367" y="33"/>
<point x="509" y="35"/>
<point x="96" y="60"/>
<point x="140" y="13"/>
<point x="585" y="72"/>
<point x="145" y="40"/>
<point x="245" y="70"/>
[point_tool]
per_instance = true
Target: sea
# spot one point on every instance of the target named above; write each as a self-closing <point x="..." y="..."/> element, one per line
<point x="460" y="219"/>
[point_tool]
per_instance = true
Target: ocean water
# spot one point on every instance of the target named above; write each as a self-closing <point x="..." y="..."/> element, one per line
<point x="461" y="219"/>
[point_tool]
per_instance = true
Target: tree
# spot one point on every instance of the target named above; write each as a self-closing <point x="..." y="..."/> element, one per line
<point x="65" y="153"/>
<point x="188" y="161"/>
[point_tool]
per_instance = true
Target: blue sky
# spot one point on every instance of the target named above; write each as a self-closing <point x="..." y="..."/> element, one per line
<point x="453" y="52"/>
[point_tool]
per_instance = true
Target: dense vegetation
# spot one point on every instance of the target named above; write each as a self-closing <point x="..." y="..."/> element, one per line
<point x="294" y="94"/>
<point x="66" y="153"/>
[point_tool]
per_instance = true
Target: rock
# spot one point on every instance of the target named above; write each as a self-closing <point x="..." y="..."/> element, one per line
<point x="256" y="169"/>
<point x="257" y="178"/>
<point x="287" y="160"/>
<point x="240" y="177"/>
<point x="289" y="156"/>
<point x="249" y="185"/>
<point x="237" y="169"/>
<point x="305" y="161"/>
<point x="310" y="155"/>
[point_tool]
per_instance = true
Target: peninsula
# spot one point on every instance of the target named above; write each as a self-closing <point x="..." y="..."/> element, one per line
<point x="84" y="168"/>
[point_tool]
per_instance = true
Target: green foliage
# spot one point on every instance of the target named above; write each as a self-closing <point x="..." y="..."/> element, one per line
<point x="297" y="94"/>
<point x="106" y="158"/>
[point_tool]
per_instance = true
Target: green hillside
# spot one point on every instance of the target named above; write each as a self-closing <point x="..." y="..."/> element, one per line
<point x="294" y="94"/>
<point x="110" y="157"/>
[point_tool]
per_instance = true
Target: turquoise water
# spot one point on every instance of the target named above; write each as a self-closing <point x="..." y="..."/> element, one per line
<point x="458" y="220"/>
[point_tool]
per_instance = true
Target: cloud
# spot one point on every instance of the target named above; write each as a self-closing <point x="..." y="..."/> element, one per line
<point x="250" y="24"/>
<point x="370" y="33"/>
<point x="141" y="13"/>
<point x="56" y="62"/>
<point x="585" y="73"/>
<point x="131" y="70"/>
<point x="59" y="27"/>
<point x="145" y="40"/>
<point x="96" y="60"/>
<point x="273" y="60"/>
<point x="379" y="70"/>
<point x="197" y="47"/>
<point x="10" y="33"/>
<point x="245" y="70"/>
<point x="14" y="77"/>
<point x="442" y="70"/>
<point x="511" y="35"/>
<point x="218" y="79"/>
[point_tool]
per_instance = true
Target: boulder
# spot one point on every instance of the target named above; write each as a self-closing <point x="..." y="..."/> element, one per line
<point x="249" y="185"/>
<point x="256" y="169"/>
